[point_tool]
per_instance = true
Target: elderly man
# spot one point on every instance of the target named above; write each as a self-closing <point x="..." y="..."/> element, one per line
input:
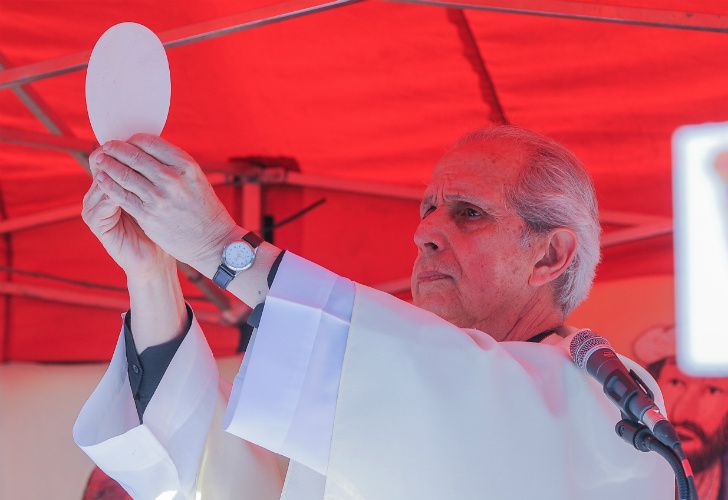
<point x="467" y="394"/>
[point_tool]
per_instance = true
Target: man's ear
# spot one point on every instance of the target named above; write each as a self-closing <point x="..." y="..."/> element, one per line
<point x="558" y="248"/>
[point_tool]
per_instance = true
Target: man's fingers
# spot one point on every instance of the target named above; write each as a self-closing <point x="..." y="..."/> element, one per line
<point x="93" y="196"/>
<point x="103" y="206"/>
<point x="126" y="200"/>
<point x="96" y="203"/>
<point x="92" y="160"/>
<point x="99" y="217"/>
<point x="97" y="208"/>
<point x="136" y="158"/>
<point x="128" y="178"/>
<point x="163" y="151"/>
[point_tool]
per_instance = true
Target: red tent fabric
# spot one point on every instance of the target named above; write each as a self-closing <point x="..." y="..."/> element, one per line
<point x="367" y="92"/>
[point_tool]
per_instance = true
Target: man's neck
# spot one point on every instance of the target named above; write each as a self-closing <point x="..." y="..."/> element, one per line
<point x="538" y="316"/>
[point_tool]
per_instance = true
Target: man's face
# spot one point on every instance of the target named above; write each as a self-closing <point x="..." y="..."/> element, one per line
<point x="472" y="268"/>
<point x="698" y="407"/>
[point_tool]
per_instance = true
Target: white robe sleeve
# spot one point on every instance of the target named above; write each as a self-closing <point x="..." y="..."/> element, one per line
<point x="284" y="397"/>
<point x="177" y="453"/>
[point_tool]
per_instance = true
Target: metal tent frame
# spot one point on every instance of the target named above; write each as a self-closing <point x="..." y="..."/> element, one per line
<point x="633" y="226"/>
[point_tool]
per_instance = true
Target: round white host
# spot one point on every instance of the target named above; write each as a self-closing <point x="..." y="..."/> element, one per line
<point x="127" y="83"/>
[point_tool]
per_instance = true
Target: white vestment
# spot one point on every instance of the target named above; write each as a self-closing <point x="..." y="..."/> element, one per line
<point x="370" y="398"/>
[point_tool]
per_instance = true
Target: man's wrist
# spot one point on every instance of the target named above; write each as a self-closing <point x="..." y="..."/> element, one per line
<point x="158" y="306"/>
<point x="252" y="287"/>
<point x="162" y="273"/>
<point x="208" y="263"/>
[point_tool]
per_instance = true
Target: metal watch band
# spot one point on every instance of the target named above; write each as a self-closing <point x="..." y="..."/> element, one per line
<point x="224" y="275"/>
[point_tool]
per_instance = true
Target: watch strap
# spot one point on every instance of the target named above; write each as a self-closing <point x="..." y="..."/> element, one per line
<point x="253" y="239"/>
<point x="223" y="276"/>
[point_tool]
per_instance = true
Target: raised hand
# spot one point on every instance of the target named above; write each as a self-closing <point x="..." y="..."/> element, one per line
<point x="121" y="236"/>
<point x="168" y="195"/>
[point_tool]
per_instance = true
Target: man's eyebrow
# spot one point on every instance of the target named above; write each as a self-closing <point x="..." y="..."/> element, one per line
<point x="429" y="199"/>
<point x="463" y="197"/>
<point x="455" y="197"/>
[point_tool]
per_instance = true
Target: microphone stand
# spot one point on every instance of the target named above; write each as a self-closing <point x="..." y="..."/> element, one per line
<point x="639" y="436"/>
<point x="637" y="405"/>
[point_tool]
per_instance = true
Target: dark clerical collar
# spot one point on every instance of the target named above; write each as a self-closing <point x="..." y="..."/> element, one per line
<point x="541" y="336"/>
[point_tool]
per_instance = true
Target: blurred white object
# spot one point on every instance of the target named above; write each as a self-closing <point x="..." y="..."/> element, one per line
<point x="701" y="249"/>
<point x="127" y="83"/>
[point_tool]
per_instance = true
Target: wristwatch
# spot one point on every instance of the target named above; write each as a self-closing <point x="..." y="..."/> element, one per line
<point x="236" y="257"/>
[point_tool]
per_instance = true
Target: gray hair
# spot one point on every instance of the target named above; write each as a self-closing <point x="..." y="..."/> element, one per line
<point x="553" y="190"/>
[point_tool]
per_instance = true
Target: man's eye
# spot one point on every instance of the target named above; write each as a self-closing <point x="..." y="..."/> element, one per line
<point x="712" y="390"/>
<point x="471" y="213"/>
<point x="427" y="210"/>
<point x="675" y="381"/>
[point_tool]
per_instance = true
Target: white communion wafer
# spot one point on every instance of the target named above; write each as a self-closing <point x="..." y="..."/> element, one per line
<point x="127" y="83"/>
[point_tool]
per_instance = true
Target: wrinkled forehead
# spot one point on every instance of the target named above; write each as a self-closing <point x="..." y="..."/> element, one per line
<point x="484" y="166"/>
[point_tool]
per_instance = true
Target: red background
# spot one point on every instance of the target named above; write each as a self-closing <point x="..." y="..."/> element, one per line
<point x="372" y="91"/>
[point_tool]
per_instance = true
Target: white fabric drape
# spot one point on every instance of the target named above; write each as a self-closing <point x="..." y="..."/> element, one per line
<point x="370" y="398"/>
<point x="430" y="411"/>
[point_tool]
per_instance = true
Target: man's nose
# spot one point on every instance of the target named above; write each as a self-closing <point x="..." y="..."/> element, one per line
<point x="430" y="233"/>
<point x="687" y="404"/>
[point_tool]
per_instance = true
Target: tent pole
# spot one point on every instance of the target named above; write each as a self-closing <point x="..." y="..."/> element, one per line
<point x="78" y="148"/>
<point x="207" y="30"/>
<point x="86" y="299"/>
<point x="43" y="218"/>
<point x="637" y="233"/>
<point x="636" y="226"/>
<point x="68" y="212"/>
<point x="352" y="186"/>
<point x="32" y="100"/>
<point x="588" y="11"/>
<point x="296" y="8"/>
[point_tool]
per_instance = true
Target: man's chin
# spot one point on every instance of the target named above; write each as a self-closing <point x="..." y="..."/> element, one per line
<point x="435" y="304"/>
<point x="703" y="457"/>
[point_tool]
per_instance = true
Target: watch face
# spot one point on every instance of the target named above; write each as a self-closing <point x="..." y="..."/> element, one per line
<point x="238" y="256"/>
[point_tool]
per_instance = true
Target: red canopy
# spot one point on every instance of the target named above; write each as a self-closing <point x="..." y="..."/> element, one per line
<point x="357" y="94"/>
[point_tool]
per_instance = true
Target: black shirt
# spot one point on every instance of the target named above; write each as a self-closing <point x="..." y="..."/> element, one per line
<point x="147" y="369"/>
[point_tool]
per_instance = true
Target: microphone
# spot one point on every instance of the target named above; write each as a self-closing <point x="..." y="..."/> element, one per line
<point x="594" y="354"/>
